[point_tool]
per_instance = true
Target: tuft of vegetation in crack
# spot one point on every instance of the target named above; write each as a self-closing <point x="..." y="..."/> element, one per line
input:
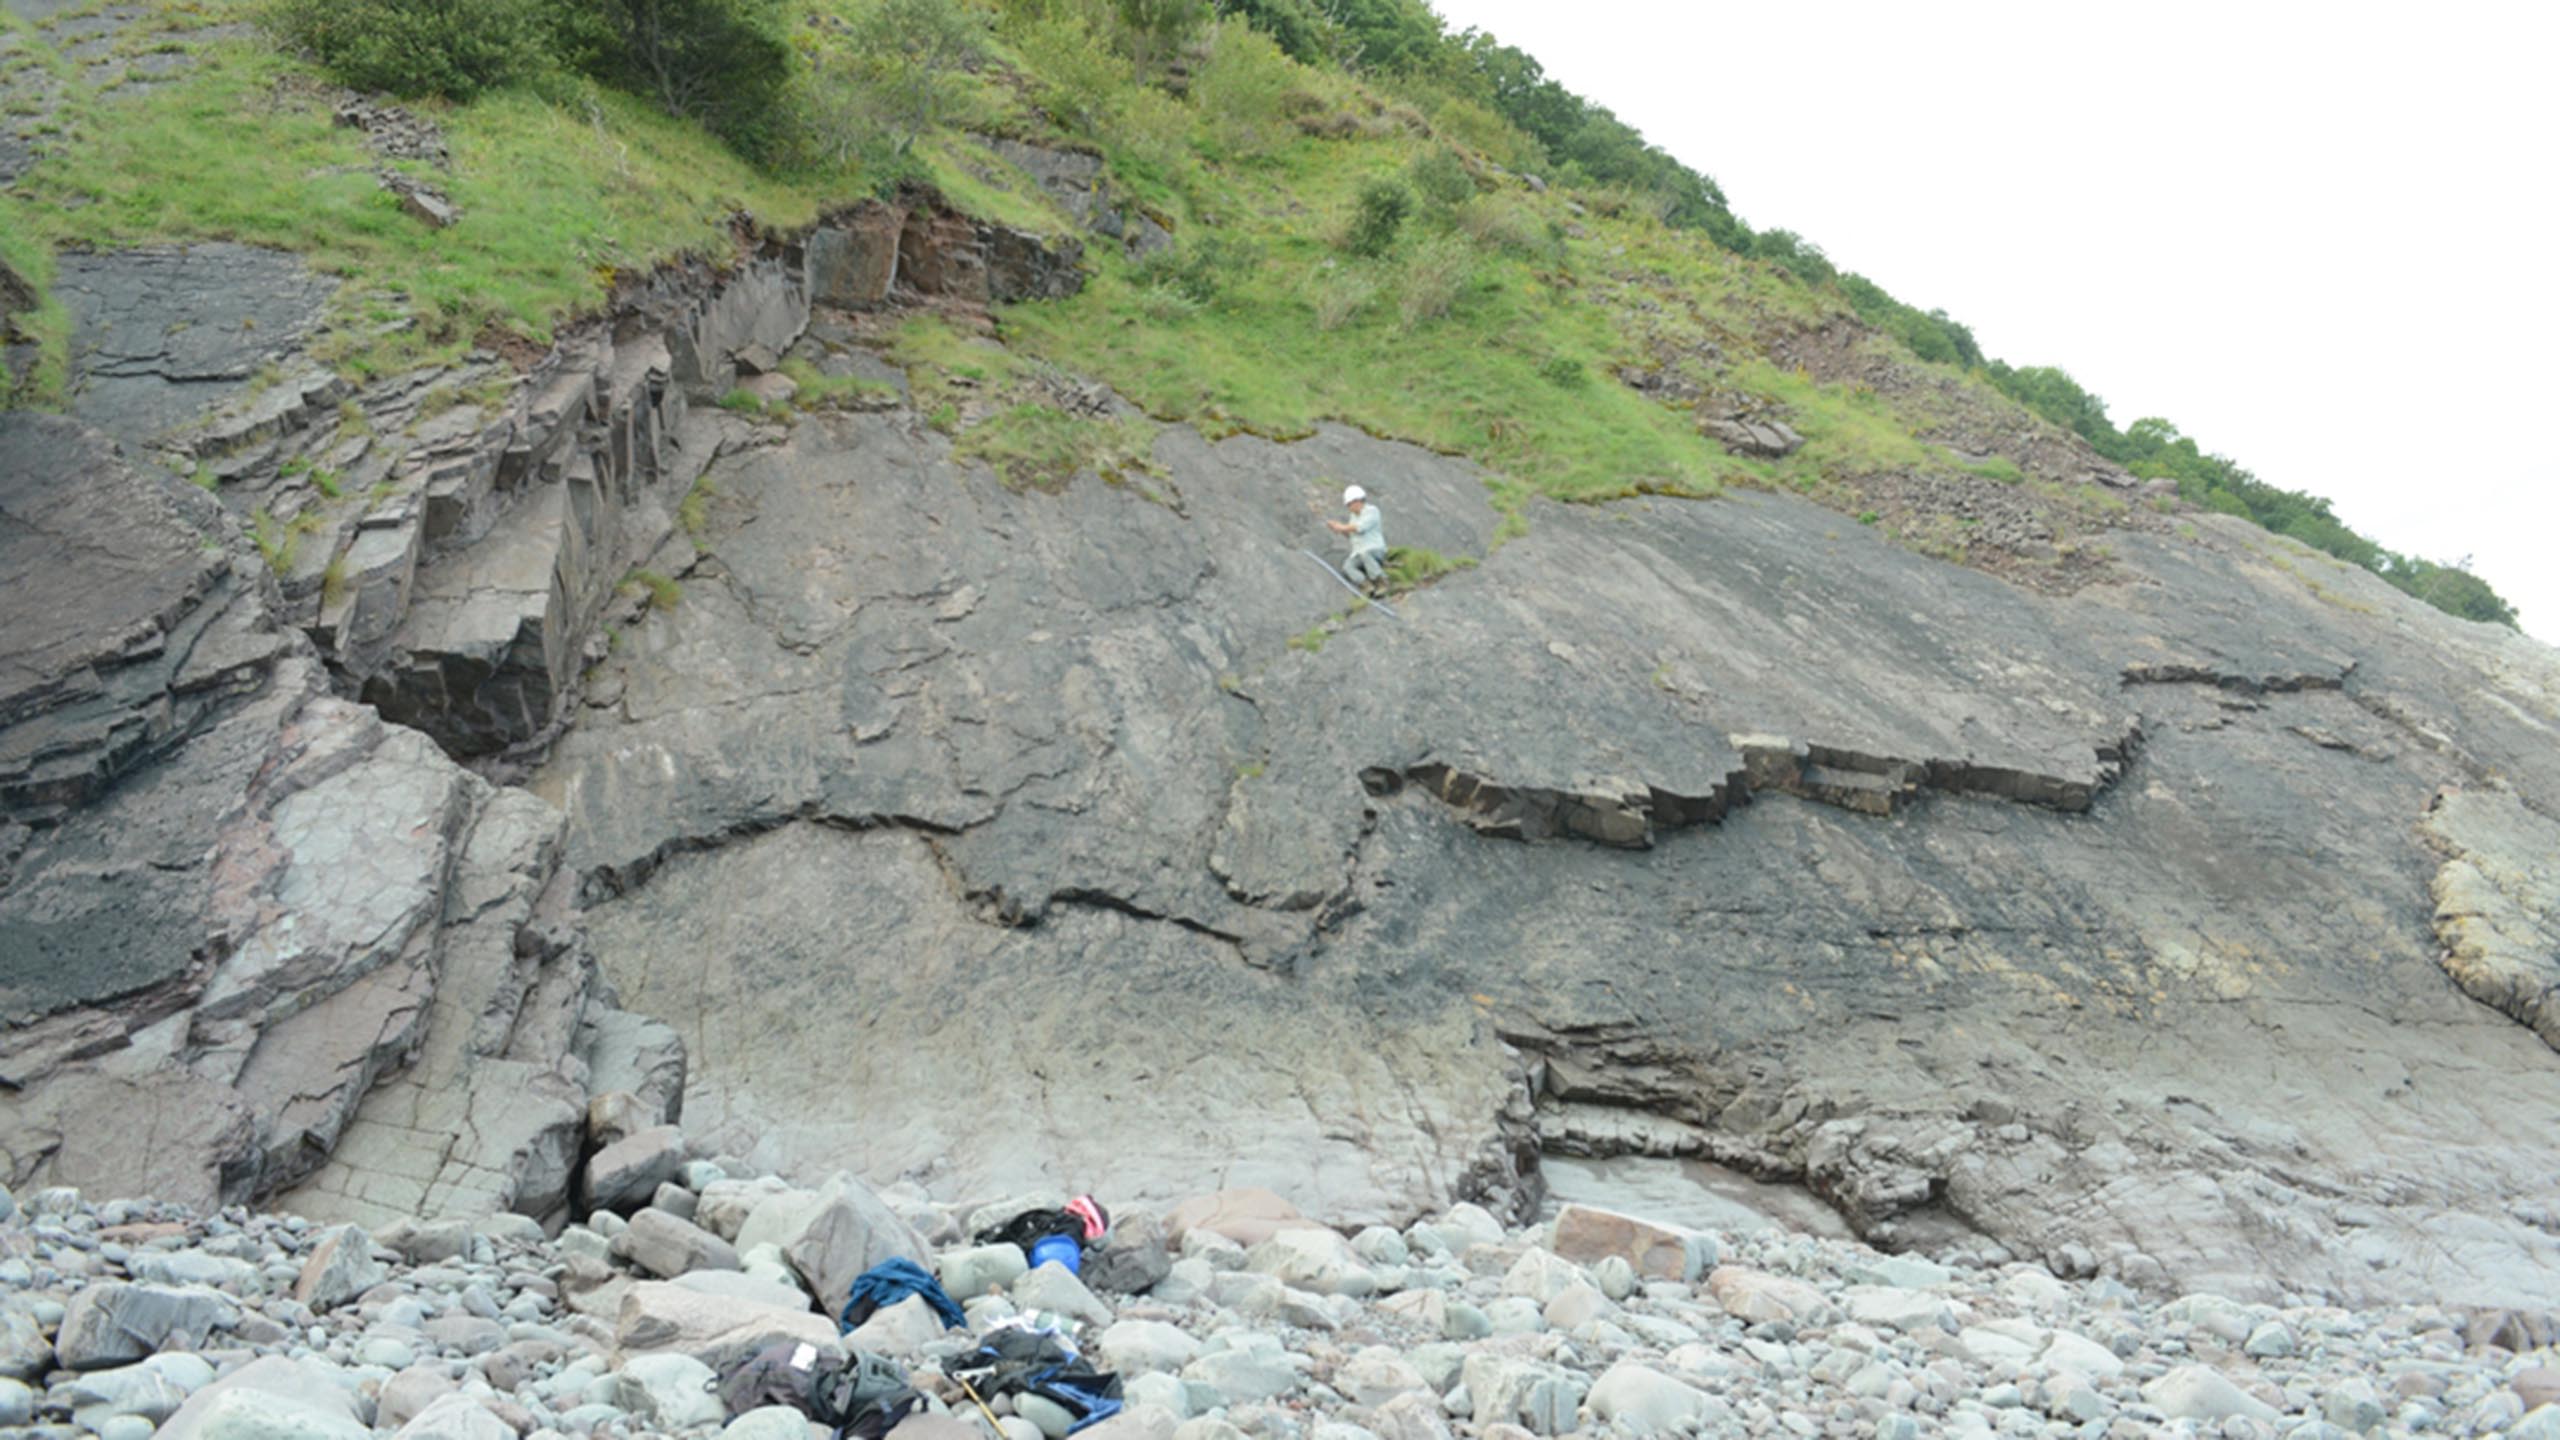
<point x="279" y="542"/>
<point x="663" y="592"/>
<point x="1412" y="565"/>
<point x="693" y="512"/>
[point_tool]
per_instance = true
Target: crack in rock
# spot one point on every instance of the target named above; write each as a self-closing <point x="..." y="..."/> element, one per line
<point x="604" y="882"/>
<point x="2280" y="682"/>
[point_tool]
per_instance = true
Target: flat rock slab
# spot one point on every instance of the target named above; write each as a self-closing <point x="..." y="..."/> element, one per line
<point x="161" y="335"/>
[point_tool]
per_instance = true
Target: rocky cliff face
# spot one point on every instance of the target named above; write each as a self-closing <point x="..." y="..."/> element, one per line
<point x="2193" y="927"/>
<point x="2094" y="928"/>
<point x="230" y="904"/>
<point x="313" y="950"/>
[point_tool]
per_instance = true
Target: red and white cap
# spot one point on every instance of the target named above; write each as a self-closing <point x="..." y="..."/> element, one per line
<point x="1097" y="1221"/>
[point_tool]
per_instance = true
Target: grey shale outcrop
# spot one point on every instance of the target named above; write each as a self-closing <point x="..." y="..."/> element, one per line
<point x="231" y="904"/>
<point x="2193" y="929"/>
<point x="2095" y="929"/>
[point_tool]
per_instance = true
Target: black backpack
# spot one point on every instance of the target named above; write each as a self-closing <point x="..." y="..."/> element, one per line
<point x="865" y="1394"/>
<point x="865" y="1398"/>
<point x="1031" y="1227"/>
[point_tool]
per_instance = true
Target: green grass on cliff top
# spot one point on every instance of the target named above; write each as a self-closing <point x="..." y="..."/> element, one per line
<point x="1491" y="330"/>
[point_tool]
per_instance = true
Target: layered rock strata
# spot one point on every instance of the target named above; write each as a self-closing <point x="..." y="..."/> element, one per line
<point x="232" y="904"/>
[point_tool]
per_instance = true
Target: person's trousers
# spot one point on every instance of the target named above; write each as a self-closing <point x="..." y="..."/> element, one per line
<point x="1365" y="567"/>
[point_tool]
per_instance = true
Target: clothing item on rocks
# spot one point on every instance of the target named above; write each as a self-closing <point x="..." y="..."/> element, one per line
<point x="891" y="1281"/>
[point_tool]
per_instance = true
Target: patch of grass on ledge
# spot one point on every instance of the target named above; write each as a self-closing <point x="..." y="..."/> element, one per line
<point x="1039" y="447"/>
<point x="1412" y="565"/>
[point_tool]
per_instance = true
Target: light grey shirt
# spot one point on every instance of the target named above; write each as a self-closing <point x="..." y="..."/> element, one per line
<point x="1368" y="533"/>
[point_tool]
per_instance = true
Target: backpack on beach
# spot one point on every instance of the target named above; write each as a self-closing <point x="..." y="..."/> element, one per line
<point x="829" y="1390"/>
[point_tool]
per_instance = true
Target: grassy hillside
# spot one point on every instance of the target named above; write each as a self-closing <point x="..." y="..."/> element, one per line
<point x="1358" y="233"/>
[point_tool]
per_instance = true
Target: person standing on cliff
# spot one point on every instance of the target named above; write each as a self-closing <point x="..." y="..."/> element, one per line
<point x="1366" y="566"/>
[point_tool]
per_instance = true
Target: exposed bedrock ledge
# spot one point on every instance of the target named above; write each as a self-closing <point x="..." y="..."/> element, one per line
<point x="1609" y="812"/>
<point x="154" y="632"/>
<point x="161" y="332"/>
<point x="1627" y="813"/>
<point x="1144" y="1056"/>
<point x="2200" y="673"/>
<point x="475" y="609"/>
<point x="471" y="607"/>
<point x="913" y="246"/>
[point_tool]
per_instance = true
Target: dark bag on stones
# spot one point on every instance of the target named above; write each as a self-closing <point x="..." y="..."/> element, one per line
<point x="878" y="1419"/>
<point x="774" y="1375"/>
<point x="1031" y="1227"/>
<point x="866" y="1388"/>
<point x="847" y="1393"/>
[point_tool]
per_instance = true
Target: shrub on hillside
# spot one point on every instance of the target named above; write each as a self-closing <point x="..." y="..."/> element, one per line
<point x="1151" y="31"/>
<point x="1435" y="275"/>
<point x="1079" y="81"/>
<point x="1441" y="178"/>
<point x="1199" y="270"/>
<point x="725" y="63"/>
<point x="1797" y="255"/>
<point x="1243" y="90"/>
<point x="457" y="48"/>
<point x="1377" y="216"/>
<point x="898" y="78"/>
<point x="1337" y="294"/>
<point x="1151" y="137"/>
<point x="1361" y="34"/>
<point x="1309" y="36"/>
<point x="1498" y="222"/>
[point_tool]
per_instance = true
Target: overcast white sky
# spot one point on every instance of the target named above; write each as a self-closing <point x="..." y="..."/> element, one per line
<point x="2320" y="239"/>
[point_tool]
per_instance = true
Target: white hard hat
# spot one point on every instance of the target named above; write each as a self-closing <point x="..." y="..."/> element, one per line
<point x="1353" y="492"/>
